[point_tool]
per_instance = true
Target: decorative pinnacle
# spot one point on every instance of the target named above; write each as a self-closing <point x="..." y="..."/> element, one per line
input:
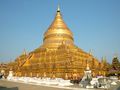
<point x="90" y="52"/>
<point x="24" y="52"/>
<point x="58" y="9"/>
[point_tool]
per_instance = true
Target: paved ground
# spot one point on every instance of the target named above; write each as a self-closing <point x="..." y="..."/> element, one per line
<point x="8" y="85"/>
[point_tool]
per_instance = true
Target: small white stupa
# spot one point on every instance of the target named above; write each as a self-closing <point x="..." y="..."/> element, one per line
<point x="87" y="73"/>
<point x="2" y="73"/>
<point x="10" y="76"/>
<point x="85" y="82"/>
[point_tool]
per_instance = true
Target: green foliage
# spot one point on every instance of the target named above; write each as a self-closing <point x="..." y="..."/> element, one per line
<point x="115" y="63"/>
<point x="114" y="67"/>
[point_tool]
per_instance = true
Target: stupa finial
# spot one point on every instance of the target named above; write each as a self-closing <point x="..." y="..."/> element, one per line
<point x="90" y="52"/>
<point x="58" y="9"/>
<point x="24" y="52"/>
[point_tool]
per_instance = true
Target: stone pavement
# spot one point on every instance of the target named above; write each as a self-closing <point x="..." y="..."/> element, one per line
<point x="8" y="85"/>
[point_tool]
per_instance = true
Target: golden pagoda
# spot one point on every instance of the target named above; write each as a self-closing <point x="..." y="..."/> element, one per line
<point x="58" y="56"/>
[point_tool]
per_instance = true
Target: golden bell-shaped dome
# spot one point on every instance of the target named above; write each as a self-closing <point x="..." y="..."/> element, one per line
<point x="57" y="32"/>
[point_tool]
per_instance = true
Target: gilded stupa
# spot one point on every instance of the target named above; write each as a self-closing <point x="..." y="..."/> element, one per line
<point x="58" y="56"/>
<point x="57" y="33"/>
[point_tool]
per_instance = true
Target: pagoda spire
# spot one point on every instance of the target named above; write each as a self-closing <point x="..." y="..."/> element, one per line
<point x="91" y="52"/>
<point x="24" y="52"/>
<point x="58" y="9"/>
<point x="57" y="32"/>
<point x="58" y="22"/>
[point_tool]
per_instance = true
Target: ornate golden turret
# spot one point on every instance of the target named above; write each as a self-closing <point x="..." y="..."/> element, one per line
<point x="57" y="32"/>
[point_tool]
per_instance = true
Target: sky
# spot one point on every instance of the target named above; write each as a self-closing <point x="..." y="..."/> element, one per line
<point x="95" y="25"/>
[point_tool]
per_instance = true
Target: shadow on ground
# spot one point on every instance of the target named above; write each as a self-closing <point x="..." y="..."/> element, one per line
<point x="118" y="88"/>
<point x="5" y="88"/>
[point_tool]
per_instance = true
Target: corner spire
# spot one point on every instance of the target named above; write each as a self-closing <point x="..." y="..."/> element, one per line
<point x="24" y="52"/>
<point x="58" y="9"/>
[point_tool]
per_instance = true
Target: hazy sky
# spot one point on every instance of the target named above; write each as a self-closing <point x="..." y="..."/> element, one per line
<point x="94" y="23"/>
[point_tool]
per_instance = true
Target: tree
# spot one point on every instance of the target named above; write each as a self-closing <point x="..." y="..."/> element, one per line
<point x="115" y="64"/>
<point x="115" y="67"/>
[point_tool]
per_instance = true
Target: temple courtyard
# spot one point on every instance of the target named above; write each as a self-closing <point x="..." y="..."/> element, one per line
<point x="10" y="85"/>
